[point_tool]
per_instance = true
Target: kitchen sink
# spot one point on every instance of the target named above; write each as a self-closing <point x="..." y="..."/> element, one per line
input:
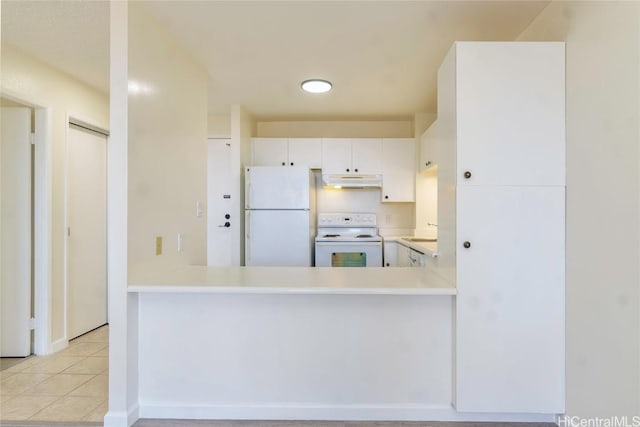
<point x="420" y="239"/>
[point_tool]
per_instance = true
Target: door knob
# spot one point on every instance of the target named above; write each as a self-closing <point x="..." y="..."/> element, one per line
<point x="226" y="225"/>
<point x="467" y="174"/>
<point x="466" y="245"/>
<point x="227" y="216"/>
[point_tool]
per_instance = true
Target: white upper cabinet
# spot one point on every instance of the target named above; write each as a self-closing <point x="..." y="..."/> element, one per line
<point x="510" y="112"/>
<point x="398" y="170"/>
<point x="305" y="152"/>
<point x="287" y="152"/>
<point x="336" y="155"/>
<point x="429" y="147"/>
<point x="366" y="155"/>
<point x="270" y="151"/>
<point x="352" y="155"/>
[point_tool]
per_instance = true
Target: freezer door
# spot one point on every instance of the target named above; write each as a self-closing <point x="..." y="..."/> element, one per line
<point x="278" y="238"/>
<point x="277" y="187"/>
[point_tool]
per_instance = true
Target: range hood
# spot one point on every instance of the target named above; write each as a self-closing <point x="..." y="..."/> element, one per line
<point x="352" y="180"/>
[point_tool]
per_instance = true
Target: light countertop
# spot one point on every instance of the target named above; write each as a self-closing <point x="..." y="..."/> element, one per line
<point x="289" y="280"/>
<point x="427" y="248"/>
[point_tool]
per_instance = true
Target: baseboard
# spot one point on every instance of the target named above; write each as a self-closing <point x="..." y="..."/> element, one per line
<point x="60" y="344"/>
<point x="122" y="418"/>
<point x="327" y="413"/>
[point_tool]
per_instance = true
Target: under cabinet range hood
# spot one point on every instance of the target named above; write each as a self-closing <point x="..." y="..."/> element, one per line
<point x="351" y="180"/>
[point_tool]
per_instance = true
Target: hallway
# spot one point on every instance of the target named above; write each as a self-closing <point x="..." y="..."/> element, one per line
<point x="71" y="385"/>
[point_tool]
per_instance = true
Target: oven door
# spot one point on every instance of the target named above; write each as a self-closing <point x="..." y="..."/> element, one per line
<point x="348" y="254"/>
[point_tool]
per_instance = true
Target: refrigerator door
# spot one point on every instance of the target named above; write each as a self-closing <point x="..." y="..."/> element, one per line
<point x="278" y="238"/>
<point x="277" y="187"/>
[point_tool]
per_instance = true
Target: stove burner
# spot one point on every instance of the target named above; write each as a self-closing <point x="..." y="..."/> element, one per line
<point x="364" y="235"/>
<point x="331" y="235"/>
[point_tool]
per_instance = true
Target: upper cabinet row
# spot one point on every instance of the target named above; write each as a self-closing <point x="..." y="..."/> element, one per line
<point x="393" y="158"/>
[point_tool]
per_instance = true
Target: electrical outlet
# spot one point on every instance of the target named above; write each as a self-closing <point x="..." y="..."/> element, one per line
<point x="158" y="245"/>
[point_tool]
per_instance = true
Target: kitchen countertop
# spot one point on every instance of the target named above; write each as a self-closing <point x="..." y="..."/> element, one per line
<point x="290" y="280"/>
<point x="427" y="248"/>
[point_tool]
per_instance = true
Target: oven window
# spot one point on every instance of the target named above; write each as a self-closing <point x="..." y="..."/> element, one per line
<point x="348" y="259"/>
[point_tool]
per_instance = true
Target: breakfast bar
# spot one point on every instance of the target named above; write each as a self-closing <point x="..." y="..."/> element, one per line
<point x="293" y="343"/>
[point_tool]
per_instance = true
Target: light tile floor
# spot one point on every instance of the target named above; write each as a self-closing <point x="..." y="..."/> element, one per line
<point x="71" y="385"/>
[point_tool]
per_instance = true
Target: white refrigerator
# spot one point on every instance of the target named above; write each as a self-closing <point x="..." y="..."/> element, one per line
<point x="279" y="216"/>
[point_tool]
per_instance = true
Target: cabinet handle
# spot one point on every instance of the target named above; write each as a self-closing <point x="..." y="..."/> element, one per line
<point x="291" y="163"/>
<point x="466" y="245"/>
<point x="227" y="216"/>
<point x="355" y="170"/>
<point x="347" y="170"/>
<point x="283" y="163"/>
<point x="386" y="197"/>
<point x="467" y="174"/>
<point x="428" y="163"/>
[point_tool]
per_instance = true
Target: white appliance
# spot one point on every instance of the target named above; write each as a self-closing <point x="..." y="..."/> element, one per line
<point x="279" y="216"/>
<point x="348" y="240"/>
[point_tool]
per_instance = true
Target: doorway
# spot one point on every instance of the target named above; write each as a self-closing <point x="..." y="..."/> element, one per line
<point x="220" y="199"/>
<point x="16" y="231"/>
<point x="86" y="240"/>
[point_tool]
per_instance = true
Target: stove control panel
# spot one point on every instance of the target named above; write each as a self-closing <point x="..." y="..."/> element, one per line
<point x="347" y="220"/>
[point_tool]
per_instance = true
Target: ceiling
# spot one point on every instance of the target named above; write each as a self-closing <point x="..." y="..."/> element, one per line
<point x="382" y="56"/>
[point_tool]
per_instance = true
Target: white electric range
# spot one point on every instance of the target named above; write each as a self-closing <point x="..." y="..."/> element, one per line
<point x="348" y="240"/>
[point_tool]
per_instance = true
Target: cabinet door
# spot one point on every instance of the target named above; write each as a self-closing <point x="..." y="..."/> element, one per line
<point x="398" y="170"/>
<point x="511" y="113"/>
<point x="404" y="253"/>
<point x="366" y="155"/>
<point x="428" y="148"/>
<point x="305" y="152"/>
<point x="336" y="155"/>
<point x="390" y="254"/>
<point x="510" y="300"/>
<point x="269" y="151"/>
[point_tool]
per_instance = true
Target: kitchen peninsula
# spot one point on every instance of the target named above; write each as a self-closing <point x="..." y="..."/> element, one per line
<point x="293" y="342"/>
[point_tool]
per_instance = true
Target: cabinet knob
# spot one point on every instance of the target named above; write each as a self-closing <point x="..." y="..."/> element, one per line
<point x="227" y="216"/>
<point x="347" y="170"/>
<point x="466" y="245"/>
<point x="291" y="163"/>
<point x="467" y="174"/>
<point x="386" y="197"/>
<point x="355" y="170"/>
<point x="283" y="163"/>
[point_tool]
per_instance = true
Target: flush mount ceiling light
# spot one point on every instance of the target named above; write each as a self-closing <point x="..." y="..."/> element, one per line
<point x="316" y="86"/>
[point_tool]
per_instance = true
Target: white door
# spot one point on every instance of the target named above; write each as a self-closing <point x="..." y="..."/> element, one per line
<point x="15" y="286"/>
<point x="87" y="230"/>
<point x="220" y="223"/>
<point x="510" y="302"/>
<point x="278" y="238"/>
<point x="277" y="187"/>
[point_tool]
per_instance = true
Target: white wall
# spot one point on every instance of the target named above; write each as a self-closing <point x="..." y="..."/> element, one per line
<point x="603" y="336"/>
<point x="167" y="146"/>
<point x="426" y="184"/>
<point x="32" y="81"/>
<point x="242" y="128"/>
<point x="219" y="125"/>
<point x="336" y="129"/>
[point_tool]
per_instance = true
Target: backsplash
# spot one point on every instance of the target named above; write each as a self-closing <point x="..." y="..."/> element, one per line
<point x="393" y="218"/>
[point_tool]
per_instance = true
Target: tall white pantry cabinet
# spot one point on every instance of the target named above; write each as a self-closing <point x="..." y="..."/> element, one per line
<point x="501" y="232"/>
